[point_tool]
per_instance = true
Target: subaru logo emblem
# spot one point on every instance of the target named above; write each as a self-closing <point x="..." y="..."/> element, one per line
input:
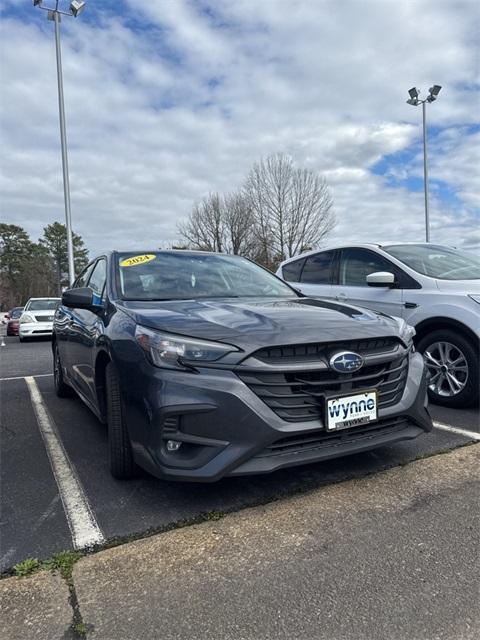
<point x="346" y="362"/>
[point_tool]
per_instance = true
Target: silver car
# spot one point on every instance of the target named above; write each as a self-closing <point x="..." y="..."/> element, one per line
<point x="436" y="289"/>
<point x="37" y="318"/>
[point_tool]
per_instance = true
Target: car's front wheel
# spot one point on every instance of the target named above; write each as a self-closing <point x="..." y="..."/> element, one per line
<point x="120" y="450"/>
<point x="453" y="367"/>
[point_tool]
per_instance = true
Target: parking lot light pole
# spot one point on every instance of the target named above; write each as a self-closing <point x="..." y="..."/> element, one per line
<point x="54" y="14"/>
<point x="415" y="101"/>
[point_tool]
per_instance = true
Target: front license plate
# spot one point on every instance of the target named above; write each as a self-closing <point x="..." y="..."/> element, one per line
<point x="351" y="411"/>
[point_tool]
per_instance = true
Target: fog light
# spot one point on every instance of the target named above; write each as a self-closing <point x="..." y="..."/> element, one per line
<point x="173" y="445"/>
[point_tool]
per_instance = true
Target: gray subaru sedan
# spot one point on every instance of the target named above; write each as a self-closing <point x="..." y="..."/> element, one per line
<point x="206" y="365"/>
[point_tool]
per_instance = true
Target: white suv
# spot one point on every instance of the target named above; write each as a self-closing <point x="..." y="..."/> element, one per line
<point x="37" y="318"/>
<point x="436" y="289"/>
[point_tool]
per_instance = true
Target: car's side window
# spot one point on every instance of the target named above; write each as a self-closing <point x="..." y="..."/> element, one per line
<point x="356" y="264"/>
<point x="291" y="271"/>
<point x="97" y="280"/>
<point x="318" y="268"/>
<point x="82" y="279"/>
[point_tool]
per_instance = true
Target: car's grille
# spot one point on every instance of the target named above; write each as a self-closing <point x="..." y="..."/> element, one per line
<point x="322" y="439"/>
<point x="298" y="395"/>
<point x="309" y="352"/>
<point x="44" y="318"/>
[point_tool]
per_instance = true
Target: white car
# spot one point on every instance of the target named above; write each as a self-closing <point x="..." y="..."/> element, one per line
<point x="434" y="288"/>
<point x="37" y="318"/>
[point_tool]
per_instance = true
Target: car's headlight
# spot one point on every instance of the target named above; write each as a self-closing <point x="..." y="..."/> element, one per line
<point x="407" y="332"/>
<point x="475" y="297"/>
<point x="26" y="317"/>
<point x="170" y="351"/>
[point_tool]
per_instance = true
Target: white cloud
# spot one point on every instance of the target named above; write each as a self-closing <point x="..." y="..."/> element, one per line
<point x="168" y="101"/>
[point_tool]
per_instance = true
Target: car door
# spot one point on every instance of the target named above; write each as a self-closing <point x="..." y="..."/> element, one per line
<point x="355" y="263"/>
<point x="86" y="327"/>
<point x="317" y="274"/>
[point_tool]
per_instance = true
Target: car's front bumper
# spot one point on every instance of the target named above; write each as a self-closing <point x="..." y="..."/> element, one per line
<point x="35" y="329"/>
<point x="226" y="429"/>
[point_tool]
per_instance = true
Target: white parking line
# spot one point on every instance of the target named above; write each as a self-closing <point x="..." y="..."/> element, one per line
<point x="39" y="375"/>
<point x="461" y="432"/>
<point x="83" y="526"/>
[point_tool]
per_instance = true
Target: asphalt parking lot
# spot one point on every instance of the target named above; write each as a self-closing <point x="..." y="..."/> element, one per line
<point x="35" y="522"/>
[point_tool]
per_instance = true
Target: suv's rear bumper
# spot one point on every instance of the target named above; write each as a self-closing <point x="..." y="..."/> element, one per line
<point x="226" y="429"/>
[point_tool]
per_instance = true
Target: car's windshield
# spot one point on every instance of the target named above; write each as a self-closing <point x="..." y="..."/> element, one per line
<point x="444" y="263"/>
<point x="16" y="313"/>
<point x="49" y="304"/>
<point x="181" y="276"/>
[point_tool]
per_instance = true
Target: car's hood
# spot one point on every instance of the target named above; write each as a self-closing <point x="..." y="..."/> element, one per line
<point x="459" y="286"/>
<point x="254" y="323"/>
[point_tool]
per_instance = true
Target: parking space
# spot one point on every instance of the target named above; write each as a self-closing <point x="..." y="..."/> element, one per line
<point x="35" y="514"/>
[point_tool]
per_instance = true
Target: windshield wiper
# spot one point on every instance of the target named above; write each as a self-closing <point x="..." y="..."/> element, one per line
<point x="150" y="299"/>
<point x="177" y="299"/>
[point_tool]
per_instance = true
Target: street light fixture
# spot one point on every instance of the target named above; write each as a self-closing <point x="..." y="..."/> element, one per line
<point x="76" y="8"/>
<point x="54" y="14"/>
<point x="413" y="93"/>
<point x="415" y="102"/>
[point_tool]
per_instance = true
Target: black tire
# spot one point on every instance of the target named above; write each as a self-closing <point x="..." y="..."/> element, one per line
<point x="469" y="395"/>
<point x="62" y="389"/>
<point x="122" y="465"/>
<point x="23" y="339"/>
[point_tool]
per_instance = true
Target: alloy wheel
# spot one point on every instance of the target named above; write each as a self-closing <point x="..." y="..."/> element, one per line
<point x="448" y="368"/>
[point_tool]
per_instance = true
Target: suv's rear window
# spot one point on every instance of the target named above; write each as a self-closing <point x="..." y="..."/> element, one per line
<point x="292" y="270"/>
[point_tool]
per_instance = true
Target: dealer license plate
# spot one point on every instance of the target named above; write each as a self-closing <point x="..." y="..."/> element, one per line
<point x="354" y="410"/>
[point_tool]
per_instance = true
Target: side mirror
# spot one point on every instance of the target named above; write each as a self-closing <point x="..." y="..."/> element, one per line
<point x="381" y="279"/>
<point x="80" y="298"/>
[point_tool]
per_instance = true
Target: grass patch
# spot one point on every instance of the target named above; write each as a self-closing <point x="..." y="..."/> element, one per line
<point x="63" y="562"/>
<point x="214" y="515"/>
<point x="27" y="567"/>
<point x="80" y="628"/>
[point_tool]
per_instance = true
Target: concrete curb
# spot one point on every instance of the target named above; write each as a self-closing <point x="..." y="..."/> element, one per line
<point x="393" y="555"/>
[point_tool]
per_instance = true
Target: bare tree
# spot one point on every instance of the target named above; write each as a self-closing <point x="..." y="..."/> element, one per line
<point x="239" y="223"/>
<point x="281" y="211"/>
<point x="205" y="227"/>
<point x="220" y="224"/>
<point x="292" y="207"/>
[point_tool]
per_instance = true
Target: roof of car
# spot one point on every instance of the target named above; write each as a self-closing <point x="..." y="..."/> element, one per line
<point x="361" y="245"/>
<point x="182" y="251"/>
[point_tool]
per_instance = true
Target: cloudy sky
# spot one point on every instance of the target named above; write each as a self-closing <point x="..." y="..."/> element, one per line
<point x="168" y="100"/>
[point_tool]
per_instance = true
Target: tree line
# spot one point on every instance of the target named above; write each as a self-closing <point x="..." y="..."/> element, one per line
<point x="279" y="211"/>
<point x="35" y="269"/>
